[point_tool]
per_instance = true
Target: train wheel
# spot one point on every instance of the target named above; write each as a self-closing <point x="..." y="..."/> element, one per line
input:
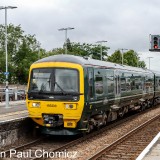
<point x="143" y="107"/>
<point x="155" y="102"/>
<point x="126" y="109"/>
<point x="104" y="119"/>
<point x="89" y="128"/>
<point x="149" y="104"/>
<point x="121" y="112"/>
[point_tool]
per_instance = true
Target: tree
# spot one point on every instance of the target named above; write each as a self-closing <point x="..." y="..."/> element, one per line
<point x="129" y="58"/>
<point x="83" y="49"/>
<point x="22" y="52"/>
<point x="141" y="64"/>
<point x="116" y="57"/>
<point x="132" y="59"/>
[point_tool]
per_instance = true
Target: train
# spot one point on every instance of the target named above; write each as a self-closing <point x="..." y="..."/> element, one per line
<point x="70" y="95"/>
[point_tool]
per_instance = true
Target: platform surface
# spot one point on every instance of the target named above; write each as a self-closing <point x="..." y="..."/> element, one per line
<point x="15" y="110"/>
<point x="13" y="106"/>
<point x="152" y="151"/>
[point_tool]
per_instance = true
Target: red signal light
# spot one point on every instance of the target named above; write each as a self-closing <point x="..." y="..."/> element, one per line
<point x="156" y="46"/>
<point x="155" y="42"/>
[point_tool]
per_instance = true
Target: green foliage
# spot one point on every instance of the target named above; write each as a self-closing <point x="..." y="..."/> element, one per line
<point x="22" y="52"/>
<point x="24" y="49"/>
<point x="116" y="57"/>
<point x="83" y="49"/>
<point x="130" y="58"/>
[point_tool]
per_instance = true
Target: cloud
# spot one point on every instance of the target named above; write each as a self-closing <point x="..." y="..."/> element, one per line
<point x="123" y="23"/>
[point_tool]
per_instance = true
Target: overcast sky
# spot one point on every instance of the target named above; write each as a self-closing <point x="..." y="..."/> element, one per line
<point x="123" y="23"/>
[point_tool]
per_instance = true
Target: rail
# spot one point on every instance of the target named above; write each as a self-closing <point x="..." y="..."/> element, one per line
<point x="123" y="138"/>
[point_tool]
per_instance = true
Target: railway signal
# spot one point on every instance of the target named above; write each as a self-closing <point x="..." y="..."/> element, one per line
<point x="155" y="43"/>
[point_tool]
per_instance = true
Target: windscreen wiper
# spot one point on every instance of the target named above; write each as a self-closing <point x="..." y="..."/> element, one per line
<point x="60" y="87"/>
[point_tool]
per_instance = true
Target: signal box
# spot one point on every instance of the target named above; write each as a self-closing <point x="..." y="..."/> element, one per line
<point x="155" y="43"/>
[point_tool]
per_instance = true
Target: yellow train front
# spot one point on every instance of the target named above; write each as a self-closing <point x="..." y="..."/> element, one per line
<point x="55" y="97"/>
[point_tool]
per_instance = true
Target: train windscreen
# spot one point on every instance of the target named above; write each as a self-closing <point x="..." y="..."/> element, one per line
<point x="55" y="80"/>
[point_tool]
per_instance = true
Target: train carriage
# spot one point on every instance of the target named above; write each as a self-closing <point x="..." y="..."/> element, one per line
<point x="68" y="94"/>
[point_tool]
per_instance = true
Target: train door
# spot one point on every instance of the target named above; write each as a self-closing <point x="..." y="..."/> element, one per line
<point x="91" y="84"/>
<point x="117" y="86"/>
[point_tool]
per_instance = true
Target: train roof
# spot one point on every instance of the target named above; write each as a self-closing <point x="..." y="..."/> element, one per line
<point x="156" y="72"/>
<point x="86" y="61"/>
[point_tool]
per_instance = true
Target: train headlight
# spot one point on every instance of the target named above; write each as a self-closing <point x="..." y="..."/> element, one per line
<point x="70" y="106"/>
<point x="36" y="104"/>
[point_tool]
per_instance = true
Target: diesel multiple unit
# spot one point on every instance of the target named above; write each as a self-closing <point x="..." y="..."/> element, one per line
<point x="68" y="94"/>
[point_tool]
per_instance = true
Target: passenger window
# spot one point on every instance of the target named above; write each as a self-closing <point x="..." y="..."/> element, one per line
<point x="123" y="84"/>
<point x="138" y="83"/>
<point x="99" y="85"/>
<point x="128" y="84"/>
<point x="110" y="81"/>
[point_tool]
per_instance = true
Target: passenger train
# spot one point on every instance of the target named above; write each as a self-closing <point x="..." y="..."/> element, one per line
<point x="68" y="94"/>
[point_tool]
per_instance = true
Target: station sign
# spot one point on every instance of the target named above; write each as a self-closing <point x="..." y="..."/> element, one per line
<point x="6" y="73"/>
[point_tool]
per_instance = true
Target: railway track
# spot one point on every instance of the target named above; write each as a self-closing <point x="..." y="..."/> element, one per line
<point x="61" y="145"/>
<point x="132" y="144"/>
<point x="42" y="143"/>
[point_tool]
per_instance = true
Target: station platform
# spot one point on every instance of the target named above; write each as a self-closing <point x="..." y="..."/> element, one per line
<point x="152" y="151"/>
<point x="13" y="106"/>
<point x="15" y="110"/>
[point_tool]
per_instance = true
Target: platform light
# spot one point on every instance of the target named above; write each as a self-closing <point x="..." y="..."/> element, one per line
<point x="6" y="51"/>
<point x="66" y="29"/>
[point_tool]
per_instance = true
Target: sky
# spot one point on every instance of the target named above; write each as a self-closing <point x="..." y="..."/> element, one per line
<point x="122" y="23"/>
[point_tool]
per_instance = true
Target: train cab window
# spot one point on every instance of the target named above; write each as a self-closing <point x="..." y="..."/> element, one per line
<point x="99" y="84"/>
<point x="54" y="80"/>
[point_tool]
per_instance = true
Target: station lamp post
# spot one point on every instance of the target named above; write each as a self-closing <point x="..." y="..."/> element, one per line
<point x="101" y="46"/>
<point x="138" y="59"/>
<point x="123" y="49"/>
<point x="149" y="61"/>
<point x="6" y="73"/>
<point x="65" y="29"/>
